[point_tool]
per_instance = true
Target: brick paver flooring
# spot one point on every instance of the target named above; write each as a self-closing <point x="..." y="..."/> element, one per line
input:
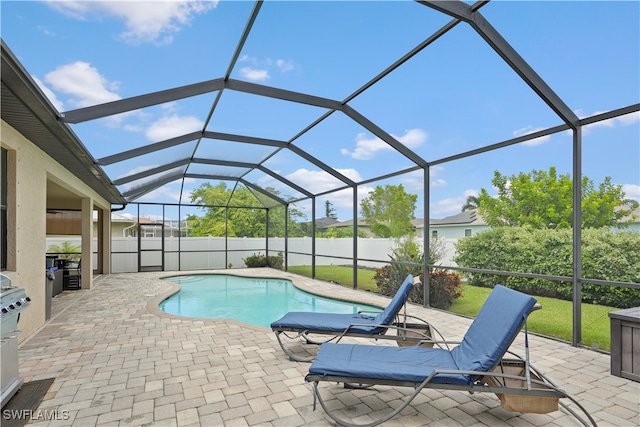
<point x="118" y="361"/>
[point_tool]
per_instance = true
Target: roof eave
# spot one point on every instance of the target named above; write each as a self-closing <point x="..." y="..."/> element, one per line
<point x="29" y="111"/>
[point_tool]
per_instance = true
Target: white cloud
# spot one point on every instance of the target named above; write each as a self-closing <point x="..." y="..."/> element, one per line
<point x="316" y="181"/>
<point x="254" y="74"/>
<point x="351" y="173"/>
<point x="44" y="30"/>
<point x="414" y="181"/>
<point x="626" y="120"/>
<point x="343" y="200"/>
<point x="172" y="126"/>
<point x="285" y="65"/>
<point x="49" y="94"/>
<point x="451" y="205"/>
<point x="137" y="170"/>
<point x="320" y="181"/>
<point x="258" y="70"/>
<point x="166" y="192"/>
<point x="434" y="182"/>
<point x="169" y="107"/>
<point x="413" y="138"/>
<point x="367" y="147"/>
<point x="445" y="207"/>
<point x="83" y="84"/>
<point x="144" y="22"/>
<point x="528" y="130"/>
<point x="631" y="191"/>
<point x="438" y="183"/>
<point x="137" y="127"/>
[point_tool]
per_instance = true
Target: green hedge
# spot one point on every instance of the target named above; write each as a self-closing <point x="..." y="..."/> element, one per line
<point x="606" y="255"/>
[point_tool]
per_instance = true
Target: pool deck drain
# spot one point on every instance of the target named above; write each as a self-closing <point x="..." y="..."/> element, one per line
<point x="118" y="360"/>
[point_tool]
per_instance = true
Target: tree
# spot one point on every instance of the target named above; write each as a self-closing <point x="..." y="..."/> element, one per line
<point x="389" y="211"/>
<point x="67" y="249"/>
<point x="542" y="199"/>
<point x="245" y="215"/>
<point x="473" y="202"/>
<point x="340" y="233"/>
<point x="329" y="211"/>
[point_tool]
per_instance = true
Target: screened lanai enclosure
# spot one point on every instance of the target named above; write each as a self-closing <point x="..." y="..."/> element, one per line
<point x="260" y="127"/>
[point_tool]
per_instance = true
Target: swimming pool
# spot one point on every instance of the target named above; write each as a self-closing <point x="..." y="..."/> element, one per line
<point x="257" y="301"/>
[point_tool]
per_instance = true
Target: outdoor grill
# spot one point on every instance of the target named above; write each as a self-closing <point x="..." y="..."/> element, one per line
<point x="13" y="301"/>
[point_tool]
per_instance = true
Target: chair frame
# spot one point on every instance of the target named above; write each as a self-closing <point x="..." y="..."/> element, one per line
<point x="545" y="388"/>
<point x="400" y="324"/>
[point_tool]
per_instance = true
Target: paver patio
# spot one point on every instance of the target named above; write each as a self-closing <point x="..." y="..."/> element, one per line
<point x="119" y="361"/>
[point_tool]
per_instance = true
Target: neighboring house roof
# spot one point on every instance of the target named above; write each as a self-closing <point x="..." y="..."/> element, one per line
<point x="469" y="217"/>
<point x="635" y="215"/>
<point x="418" y="224"/>
<point x="119" y="218"/>
<point x="115" y="218"/>
<point x="349" y="223"/>
<point x="323" y="223"/>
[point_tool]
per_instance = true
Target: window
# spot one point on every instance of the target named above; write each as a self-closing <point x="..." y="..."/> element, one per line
<point x="3" y="209"/>
<point x="467" y="232"/>
<point x="434" y="234"/>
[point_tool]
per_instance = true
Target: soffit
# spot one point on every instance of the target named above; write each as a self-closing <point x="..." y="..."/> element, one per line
<point x="27" y="110"/>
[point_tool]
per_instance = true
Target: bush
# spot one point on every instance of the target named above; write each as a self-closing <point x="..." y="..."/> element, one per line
<point x="259" y="260"/>
<point x="606" y="255"/>
<point x="444" y="287"/>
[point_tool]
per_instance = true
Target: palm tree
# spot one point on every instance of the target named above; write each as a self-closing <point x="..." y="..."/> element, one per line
<point x="390" y="227"/>
<point x="473" y="202"/>
<point x="66" y="249"/>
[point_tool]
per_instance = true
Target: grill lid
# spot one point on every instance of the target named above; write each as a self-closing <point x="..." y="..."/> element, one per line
<point x="5" y="283"/>
<point x="12" y="299"/>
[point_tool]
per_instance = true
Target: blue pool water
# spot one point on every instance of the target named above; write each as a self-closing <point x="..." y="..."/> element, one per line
<point x="251" y="300"/>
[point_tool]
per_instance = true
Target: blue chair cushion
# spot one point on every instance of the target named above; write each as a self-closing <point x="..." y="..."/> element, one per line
<point x="486" y="341"/>
<point x="413" y="364"/>
<point x="326" y="322"/>
<point x="493" y="329"/>
<point x="398" y="300"/>
<point x="338" y="322"/>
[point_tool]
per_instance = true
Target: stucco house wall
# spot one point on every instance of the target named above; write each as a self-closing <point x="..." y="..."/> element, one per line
<point x="29" y="171"/>
<point x="457" y="231"/>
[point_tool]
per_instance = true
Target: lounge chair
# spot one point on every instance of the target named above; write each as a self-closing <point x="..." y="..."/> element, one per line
<point x="475" y="365"/>
<point x="361" y="325"/>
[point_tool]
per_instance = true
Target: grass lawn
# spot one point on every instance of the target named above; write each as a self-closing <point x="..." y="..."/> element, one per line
<point x="554" y="320"/>
<point x="339" y="274"/>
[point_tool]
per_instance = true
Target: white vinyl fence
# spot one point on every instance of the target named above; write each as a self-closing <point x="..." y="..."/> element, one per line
<point x="200" y="253"/>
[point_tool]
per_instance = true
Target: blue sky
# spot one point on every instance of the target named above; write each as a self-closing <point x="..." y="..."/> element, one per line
<point x="454" y="96"/>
